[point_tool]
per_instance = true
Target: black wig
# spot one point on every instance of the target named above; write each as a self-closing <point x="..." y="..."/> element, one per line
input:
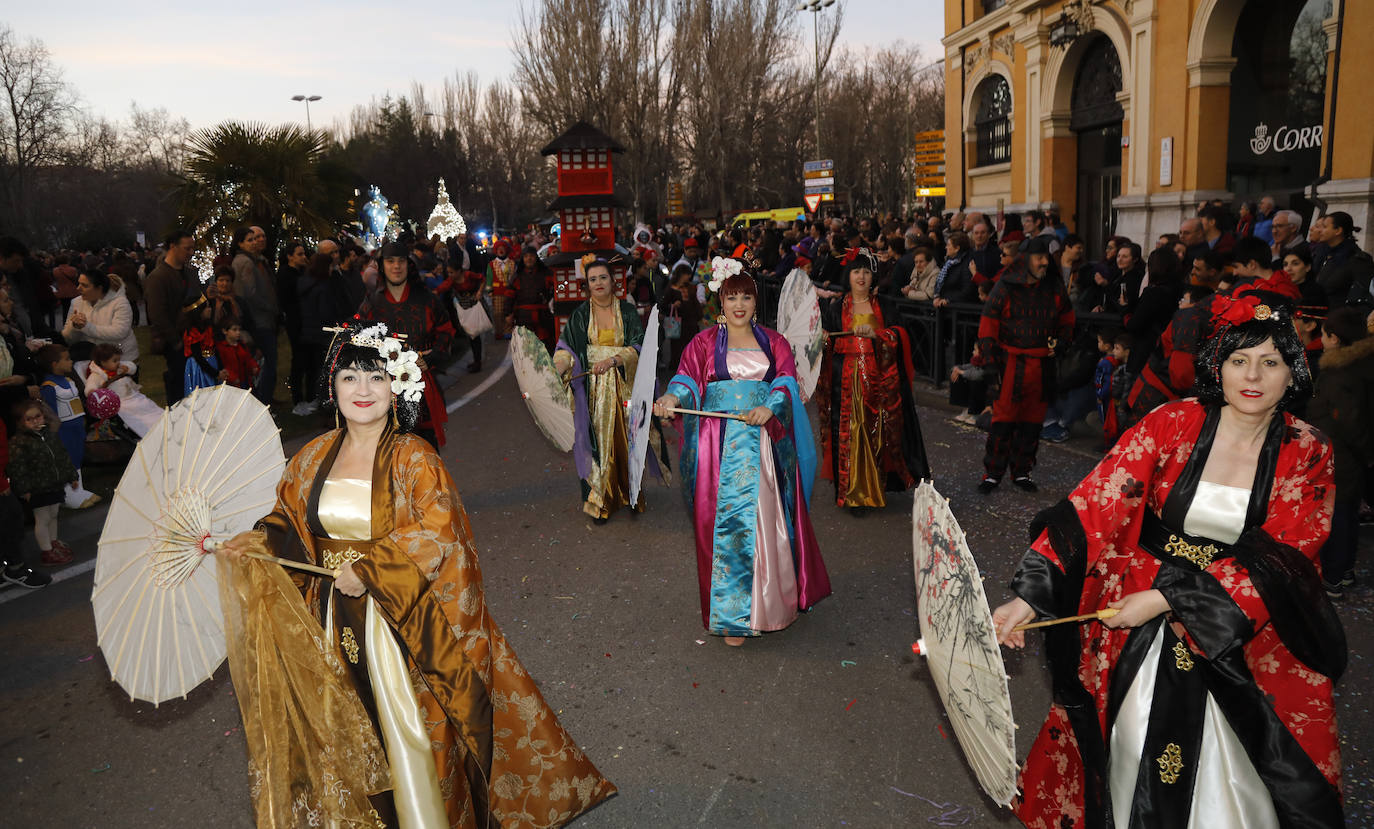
<point x="344" y="354"/>
<point x="1228" y="338"/>
<point x="863" y="258"/>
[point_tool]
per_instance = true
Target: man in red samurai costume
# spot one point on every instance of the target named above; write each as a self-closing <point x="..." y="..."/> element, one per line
<point x="407" y="307"/>
<point x="1027" y="314"/>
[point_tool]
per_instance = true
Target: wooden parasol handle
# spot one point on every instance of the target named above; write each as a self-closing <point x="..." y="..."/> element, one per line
<point x="208" y="545"/>
<point x="1104" y="613"/>
<point x="699" y="413"/>
<point x="296" y="565"/>
<point x="576" y="377"/>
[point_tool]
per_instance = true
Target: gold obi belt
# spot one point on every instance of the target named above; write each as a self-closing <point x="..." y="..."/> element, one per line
<point x="336" y="552"/>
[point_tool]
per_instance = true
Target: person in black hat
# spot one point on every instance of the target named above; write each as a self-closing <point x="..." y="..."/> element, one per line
<point x="407" y="308"/>
<point x="1026" y="316"/>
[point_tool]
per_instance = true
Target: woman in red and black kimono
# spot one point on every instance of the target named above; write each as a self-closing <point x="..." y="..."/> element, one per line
<point x="407" y="307"/>
<point x="532" y="288"/>
<point x="870" y="437"/>
<point x="1206" y="701"/>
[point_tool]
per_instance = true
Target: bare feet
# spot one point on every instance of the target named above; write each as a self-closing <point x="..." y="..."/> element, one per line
<point x="734" y="641"/>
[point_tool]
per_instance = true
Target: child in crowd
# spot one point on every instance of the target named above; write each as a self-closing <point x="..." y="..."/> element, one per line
<point x="12" y="527"/>
<point x="1102" y="381"/>
<point x="1193" y="294"/>
<point x="38" y="468"/>
<point x="1122" y="379"/>
<point x="59" y="391"/>
<point x="234" y="357"/>
<point x="107" y="370"/>
<point x="968" y="384"/>
<point x="202" y="363"/>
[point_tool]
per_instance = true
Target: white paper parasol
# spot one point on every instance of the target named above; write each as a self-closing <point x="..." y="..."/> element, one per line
<point x="639" y="418"/>
<point x="549" y="399"/>
<point x="799" y="320"/>
<point x="960" y="644"/>
<point x="207" y="471"/>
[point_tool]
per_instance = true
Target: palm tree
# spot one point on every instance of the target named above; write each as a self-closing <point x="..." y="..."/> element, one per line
<point x="251" y="173"/>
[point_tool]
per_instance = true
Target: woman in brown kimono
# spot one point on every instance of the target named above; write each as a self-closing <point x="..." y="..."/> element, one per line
<point x="467" y="737"/>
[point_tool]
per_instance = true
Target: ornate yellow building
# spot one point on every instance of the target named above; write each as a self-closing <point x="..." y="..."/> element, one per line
<point x="1125" y="114"/>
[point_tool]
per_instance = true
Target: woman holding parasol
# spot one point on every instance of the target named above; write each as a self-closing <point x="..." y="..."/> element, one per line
<point x="747" y="480"/>
<point x="870" y="438"/>
<point x="467" y="737"/>
<point x="599" y="351"/>
<point x="1207" y="699"/>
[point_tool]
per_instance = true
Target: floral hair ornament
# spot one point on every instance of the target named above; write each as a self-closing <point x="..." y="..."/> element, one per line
<point x="402" y="364"/>
<point x="851" y="254"/>
<point x="1236" y="310"/>
<point x="721" y="270"/>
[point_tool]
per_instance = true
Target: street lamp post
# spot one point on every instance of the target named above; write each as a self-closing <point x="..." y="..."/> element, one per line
<point x="815" y="6"/>
<point x="307" y="100"/>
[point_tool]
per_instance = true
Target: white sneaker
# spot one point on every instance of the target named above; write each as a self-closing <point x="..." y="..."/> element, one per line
<point x="965" y="417"/>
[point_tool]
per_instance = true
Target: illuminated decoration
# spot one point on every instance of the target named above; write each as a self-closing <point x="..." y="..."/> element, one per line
<point x="379" y="221"/>
<point x="445" y="222"/>
<point x="212" y="234"/>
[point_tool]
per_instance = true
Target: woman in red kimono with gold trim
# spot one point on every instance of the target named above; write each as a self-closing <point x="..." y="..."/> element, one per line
<point x="870" y="437"/>
<point x="1206" y="701"/>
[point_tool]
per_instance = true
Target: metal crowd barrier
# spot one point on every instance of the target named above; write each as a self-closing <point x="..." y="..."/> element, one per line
<point x="941" y="338"/>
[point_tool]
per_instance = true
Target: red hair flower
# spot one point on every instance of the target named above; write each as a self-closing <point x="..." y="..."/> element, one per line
<point x="1237" y="310"/>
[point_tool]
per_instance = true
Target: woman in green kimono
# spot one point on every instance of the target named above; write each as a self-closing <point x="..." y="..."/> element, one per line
<point x="599" y="347"/>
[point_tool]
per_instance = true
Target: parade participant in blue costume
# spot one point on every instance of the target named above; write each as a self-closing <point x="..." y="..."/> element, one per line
<point x="747" y="482"/>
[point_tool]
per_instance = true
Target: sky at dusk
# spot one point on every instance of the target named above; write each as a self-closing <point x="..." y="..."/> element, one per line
<point x="245" y="60"/>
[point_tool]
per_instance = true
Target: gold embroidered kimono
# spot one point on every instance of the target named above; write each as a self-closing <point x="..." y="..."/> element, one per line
<point x="500" y="755"/>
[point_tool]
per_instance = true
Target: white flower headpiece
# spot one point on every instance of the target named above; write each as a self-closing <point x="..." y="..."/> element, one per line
<point x="722" y="269"/>
<point x="402" y="364"/>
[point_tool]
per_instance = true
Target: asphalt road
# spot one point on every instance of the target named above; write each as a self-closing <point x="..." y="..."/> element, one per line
<point x="832" y="722"/>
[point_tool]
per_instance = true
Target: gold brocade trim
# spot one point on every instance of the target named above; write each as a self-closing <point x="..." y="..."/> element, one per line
<point x="1170" y="763"/>
<point x="376" y="819"/>
<point x="350" y="645"/>
<point x="334" y="559"/>
<point x="1199" y="555"/>
<point x="1183" y="660"/>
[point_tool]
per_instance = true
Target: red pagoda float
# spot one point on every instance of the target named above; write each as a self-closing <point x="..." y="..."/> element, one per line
<point x="586" y="209"/>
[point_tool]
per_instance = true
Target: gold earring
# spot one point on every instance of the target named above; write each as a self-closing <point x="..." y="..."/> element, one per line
<point x="336" y="417"/>
<point x="720" y="319"/>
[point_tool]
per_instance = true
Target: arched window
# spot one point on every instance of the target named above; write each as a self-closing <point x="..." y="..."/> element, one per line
<point x="993" y="121"/>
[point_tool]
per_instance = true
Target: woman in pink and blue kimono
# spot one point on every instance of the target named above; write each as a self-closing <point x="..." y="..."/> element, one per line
<point x="747" y="482"/>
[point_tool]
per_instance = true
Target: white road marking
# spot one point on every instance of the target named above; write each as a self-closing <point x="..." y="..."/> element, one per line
<point x="483" y="386"/>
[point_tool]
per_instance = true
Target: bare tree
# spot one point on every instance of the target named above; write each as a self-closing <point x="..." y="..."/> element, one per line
<point x="156" y="138"/>
<point x="38" y="106"/>
<point x="874" y="106"/>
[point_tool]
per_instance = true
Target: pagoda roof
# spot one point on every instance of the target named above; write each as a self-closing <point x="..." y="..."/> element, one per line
<point x="582" y="136"/>
<point x="586" y="200"/>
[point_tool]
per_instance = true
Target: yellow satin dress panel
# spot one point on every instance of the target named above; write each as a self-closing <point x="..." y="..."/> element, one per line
<point x="865" y="482"/>
<point x="346" y="513"/>
<point x="609" y="481"/>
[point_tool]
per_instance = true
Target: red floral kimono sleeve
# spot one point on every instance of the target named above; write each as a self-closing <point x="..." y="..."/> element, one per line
<point x="1112" y="496"/>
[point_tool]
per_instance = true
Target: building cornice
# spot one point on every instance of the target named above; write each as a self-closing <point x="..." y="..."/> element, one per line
<point x="1215" y="71"/>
